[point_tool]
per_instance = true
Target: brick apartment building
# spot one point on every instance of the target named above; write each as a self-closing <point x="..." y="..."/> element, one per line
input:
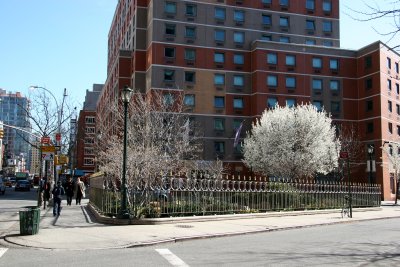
<point x="235" y="58"/>
<point x="84" y="162"/>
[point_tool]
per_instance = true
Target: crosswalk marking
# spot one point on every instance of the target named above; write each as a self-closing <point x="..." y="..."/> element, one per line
<point x="171" y="257"/>
<point x="2" y="251"/>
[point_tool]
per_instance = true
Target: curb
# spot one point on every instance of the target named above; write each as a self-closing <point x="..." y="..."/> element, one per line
<point x="173" y="220"/>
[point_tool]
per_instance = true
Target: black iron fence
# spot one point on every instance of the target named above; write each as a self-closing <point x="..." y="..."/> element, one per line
<point x="186" y="197"/>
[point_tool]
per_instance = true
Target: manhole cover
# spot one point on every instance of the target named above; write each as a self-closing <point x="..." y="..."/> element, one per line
<point x="184" y="226"/>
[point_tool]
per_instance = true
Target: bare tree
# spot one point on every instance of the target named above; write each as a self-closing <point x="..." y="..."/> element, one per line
<point x="392" y="151"/>
<point x="376" y="12"/>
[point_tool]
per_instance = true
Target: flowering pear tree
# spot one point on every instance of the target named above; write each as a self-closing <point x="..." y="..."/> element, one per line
<point x="392" y="152"/>
<point x="292" y="143"/>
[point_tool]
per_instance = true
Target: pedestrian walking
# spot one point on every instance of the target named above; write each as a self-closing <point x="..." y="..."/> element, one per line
<point x="79" y="191"/>
<point x="46" y="192"/>
<point x="69" y="190"/>
<point x="57" y="192"/>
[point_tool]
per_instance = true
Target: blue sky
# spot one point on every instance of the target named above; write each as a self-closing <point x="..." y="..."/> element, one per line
<point x="61" y="44"/>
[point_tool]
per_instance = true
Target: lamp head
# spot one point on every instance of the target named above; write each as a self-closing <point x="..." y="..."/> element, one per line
<point x="126" y="94"/>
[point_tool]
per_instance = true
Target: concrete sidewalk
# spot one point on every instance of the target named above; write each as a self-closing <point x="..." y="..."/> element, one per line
<point x="76" y="229"/>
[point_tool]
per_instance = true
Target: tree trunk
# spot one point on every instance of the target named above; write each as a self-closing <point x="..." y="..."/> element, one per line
<point x="397" y="190"/>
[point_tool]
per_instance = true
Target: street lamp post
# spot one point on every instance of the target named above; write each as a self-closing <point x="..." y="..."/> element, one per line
<point x="370" y="152"/>
<point x="126" y="97"/>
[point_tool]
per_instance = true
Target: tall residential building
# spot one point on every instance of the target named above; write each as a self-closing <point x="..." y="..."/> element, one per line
<point x="235" y="58"/>
<point x="84" y="162"/>
<point x="14" y="109"/>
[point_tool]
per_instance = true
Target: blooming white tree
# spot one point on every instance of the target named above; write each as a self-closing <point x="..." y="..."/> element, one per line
<point x="292" y="143"/>
<point x="392" y="152"/>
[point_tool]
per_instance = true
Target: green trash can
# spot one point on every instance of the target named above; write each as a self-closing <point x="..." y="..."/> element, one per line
<point x="29" y="219"/>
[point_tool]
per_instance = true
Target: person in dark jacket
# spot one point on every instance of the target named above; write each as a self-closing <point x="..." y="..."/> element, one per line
<point x="57" y="192"/>
<point x="69" y="190"/>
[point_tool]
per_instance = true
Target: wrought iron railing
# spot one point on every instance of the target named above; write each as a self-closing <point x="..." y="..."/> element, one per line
<point x="186" y="196"/>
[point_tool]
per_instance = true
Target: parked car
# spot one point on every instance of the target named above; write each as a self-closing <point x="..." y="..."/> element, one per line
<point x="13" y="181"/>
<point x="23" y="185"/>
<point x="2" y="187"/>
<point x="7" y="182"/>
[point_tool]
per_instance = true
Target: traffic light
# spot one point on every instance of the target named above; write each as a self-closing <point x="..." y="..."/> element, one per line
<point x="1" y="133"/>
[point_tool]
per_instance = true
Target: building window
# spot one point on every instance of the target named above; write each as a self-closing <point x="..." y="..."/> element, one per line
<point x="168" y="99"/>
<point x="290" y="60"/>
<point x="238" y="103"/>
<point x="317" y="84"/>
<point x="90" y="130"/>
<point x="236" y="124"/>
<point x="310" y="42"/>
<point x="327" y="26"/>
<point x="89" y="140"/>
<point x="272" y="58"/>
<point x="238" y="80"/>
<point x="88" y="161"/>
<point x="327" y="6"/>
<point x="284" y="22"/>
<point x="219" y="124"/>
<point x="266" y="20"/>
<point x="219" y="147"/>
<point x="318" y="105"/>
<point x="310" y="4"/>
<point x="389" y="106"/>
<point x="219" y="102"/>
<point x="397" y="88"/>
<point x="190" y="54"/>
<point x="219" y="35"/>
<point x="284" y="3"/>
<point x="188" y="100"/>
<point x="170" y="29"/>
<point x="88" y="151"/>
<point x="388" y="63"/>
<point x="389" y="84"/>
<point x="238" y="59"/>
<point x="169" y="52"/>
<point x="238" y="37"/>
<point x="335" y="107"/>
<point x="327" y="43"/>
<point x="271" y="102"/>
<point x="398" y="109"/>
<point x="219" y="79"/>
<point x="390" y="127"/>
<point x="370" y="127"/>
<point x="219" y="57"/>
<point x="265" y="37"/>
<point x="317" y="62"/>
<point x="398" y="131"/>
<point x="266" y="2"/>
<point x="170" y="7"/>
<point x="334" y="64"/>
<point x="369" y="105"/>
<point x="284" y="39"/>
<point x="190" y="76"/>
<point x="291" y="82"/>
<point x="368" y="62"/>
<point x="272" y="80"/>
<point x="310" y="25"/>
<point x="334" y="85"/>
<point x="396" y="65"/>
<point x="191" y="10"/>
<point x="290" y="102"/>
<point x="238" y="16"/>
<point x="190" y="32"/>
<point x="89" y="120"/>
<point x="219" y="13"/>
<point x="169" y="75"/>
<point x="368" y="83"/>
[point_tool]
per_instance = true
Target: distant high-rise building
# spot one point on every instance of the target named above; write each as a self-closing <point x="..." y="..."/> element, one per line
<point x="14" y="110"/>
<point x="232" y="59"/>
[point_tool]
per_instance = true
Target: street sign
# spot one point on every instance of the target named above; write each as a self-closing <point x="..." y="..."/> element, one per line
<point x="344" y="155"/>
<point x="47" y="155"/>
<point x="45" y="140"/>
<point x="48" y="149"/>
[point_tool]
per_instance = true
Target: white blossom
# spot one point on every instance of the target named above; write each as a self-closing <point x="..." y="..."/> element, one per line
<point x="292" y="143"/>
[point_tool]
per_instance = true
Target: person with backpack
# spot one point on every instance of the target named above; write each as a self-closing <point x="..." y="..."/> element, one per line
<point x="57" y="192"/>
